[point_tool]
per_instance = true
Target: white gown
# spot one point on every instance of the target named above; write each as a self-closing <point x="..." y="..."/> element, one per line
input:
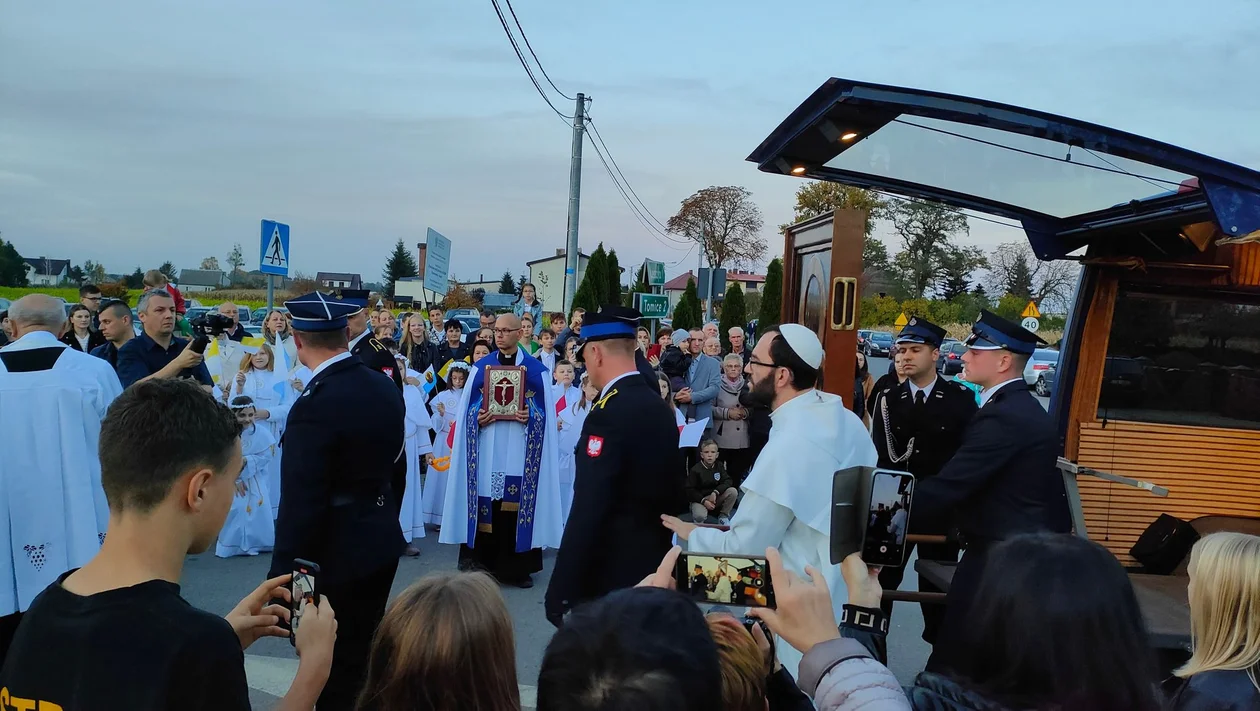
<point x="787" y="495"/>
<point x="435" y="481"/>
<point x="249" y="529"/>
<point x="571" y="420"/>
<point x="272" y="392"/>
<point x="411" y="517"/>
<point x="53" y="512"/>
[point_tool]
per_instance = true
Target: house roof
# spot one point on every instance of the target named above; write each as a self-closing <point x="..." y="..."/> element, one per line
<point x="337" y="276"/>
<point x="555" y="256"/>
<point x="201" y="277"/>
<point x="48" y="267"/>
<point x="679" y="283"/>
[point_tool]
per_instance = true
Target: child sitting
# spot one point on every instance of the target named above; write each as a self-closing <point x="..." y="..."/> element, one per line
<point x="675" y="362"/>
<point x="709" y="487"/>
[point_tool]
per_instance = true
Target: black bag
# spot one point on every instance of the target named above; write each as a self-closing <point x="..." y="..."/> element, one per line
<point x="1164" y="544"/>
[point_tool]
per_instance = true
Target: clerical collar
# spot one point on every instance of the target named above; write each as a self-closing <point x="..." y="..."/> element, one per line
<point x="505" y="359"/>
<point x="988" y="393"/>
<point x="610" y="383"/>
<point x="914" y="389"/>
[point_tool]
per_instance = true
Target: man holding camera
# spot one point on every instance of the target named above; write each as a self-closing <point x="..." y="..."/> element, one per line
<point x="157" y="352"/>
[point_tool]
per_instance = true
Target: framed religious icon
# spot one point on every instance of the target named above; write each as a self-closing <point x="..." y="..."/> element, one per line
<point x="505" y="391"/>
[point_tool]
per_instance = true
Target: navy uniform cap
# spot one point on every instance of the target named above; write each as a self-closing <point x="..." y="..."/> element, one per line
<point x="320" y="312"/>
<point x="610" y="322"/>
<point x="921" y="330"/>
<point x="993" y="333"/>
<point x="358" y="297"/>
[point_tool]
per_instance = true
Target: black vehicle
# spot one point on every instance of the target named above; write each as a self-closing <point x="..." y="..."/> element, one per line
<point x="950" y="361"/>
<point x="878" y="344"/>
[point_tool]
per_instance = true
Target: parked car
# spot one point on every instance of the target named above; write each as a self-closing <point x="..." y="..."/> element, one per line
<point x="950" y="361"/>
<point x="1045" y="381"/>
<point x="863" y="334"/>
<point x="5" y="304"/>
<point x="1041" y="360"/>
<point x="260" y="313"/>
<point x="879" y="344"/>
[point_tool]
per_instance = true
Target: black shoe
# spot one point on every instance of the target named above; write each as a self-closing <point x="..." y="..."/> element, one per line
<point x="525" y="583"/>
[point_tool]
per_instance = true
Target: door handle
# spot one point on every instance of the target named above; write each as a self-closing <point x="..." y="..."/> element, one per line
<point x="844" y="303"/>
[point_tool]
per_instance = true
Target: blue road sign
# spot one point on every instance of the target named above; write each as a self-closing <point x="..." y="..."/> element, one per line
<point x="274" y="252"/>
<point x="437" y="261"/>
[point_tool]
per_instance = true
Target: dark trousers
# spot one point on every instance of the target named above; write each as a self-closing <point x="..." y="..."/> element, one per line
<point x="359" y="605"/>
<point x="933" y="613"/>
<point x="953" y="648"/>
<point x="738" y="463"/>
<point x="495" y="551"/>
<point x="8" y="628"/>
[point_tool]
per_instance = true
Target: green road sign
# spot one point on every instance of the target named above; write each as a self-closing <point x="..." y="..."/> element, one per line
<point x="655" y="273"/>
<point x="652" y="305"/>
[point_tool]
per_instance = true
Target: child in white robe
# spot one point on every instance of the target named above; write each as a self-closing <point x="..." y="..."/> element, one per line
<point x="444" y="406"/>
<point x="567" y="394"/>
<point x="248" y="529"/>
<point x="570" y="420"/>
<point x="272" y="395"/>
<point x="418" y="446"/>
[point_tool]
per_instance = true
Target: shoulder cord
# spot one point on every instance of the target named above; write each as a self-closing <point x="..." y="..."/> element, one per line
<point x="892" y="447"/>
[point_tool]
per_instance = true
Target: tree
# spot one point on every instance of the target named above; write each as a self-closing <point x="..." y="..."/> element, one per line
<point x="771" y="297"/>
<point x="687" y="312"/>
<point x="1015" y="270"/>
<point x="614" y="278"/>
<point x="74" y="275"/>
<point x="506" y="284"/>
<point x="521" y="281"/>
<point x="169" y="270"/>
<point x="819" y="196"/>
<point x="400" y="264"/>
<point x="478" y="295"/>
<point x="725" y="222"/>
<point x="957" y="266"/>
<point x="734" y="313"/>
<point x="135" y="280"/>
<point x="235" y="258"/>
<point x="210" y="264"/>
<point x="459" y="298"/>
<point x="592" y="293"/>
<point x="12" y="268"/>
<point x="94" y="272"/>
<point x="926" y="230"/>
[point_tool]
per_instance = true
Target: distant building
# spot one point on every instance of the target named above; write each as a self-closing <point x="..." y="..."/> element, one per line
<point x="751" y="284"/>
<point x="192" y="280"/>
<point x="547" y="276"/>
<point x="339" y="280"/>
<point x="42" y="271"/>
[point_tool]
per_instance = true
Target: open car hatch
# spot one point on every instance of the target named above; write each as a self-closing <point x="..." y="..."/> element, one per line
<point x="1067" y="182"/>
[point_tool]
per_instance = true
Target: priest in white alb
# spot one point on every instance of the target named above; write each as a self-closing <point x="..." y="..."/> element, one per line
<point x="787" y="495"/>
<point x="503" y="490"/>
<point x="53" y="512"/>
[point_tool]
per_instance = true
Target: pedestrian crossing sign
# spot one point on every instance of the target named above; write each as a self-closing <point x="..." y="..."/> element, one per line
<point x="1030" y="311"/>
<point x="274" y="254"/>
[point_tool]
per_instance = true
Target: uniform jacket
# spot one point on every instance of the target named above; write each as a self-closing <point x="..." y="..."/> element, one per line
<point x="628" y="473"/>
<point x="937" y="428"/>
<point x="1003" y="480"/>
<point x="376" y="356"/>
<point x="339" y="502"/>
<point x="1223" y="690"/>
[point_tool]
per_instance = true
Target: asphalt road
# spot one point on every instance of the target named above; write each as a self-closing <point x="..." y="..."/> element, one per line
<point x="217" y="584"/>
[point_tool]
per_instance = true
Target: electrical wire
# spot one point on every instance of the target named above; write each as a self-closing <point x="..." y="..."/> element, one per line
<point x="524" y="64"/>
<point x="530" y="47"/>
<point x="600" y="138"/>
<point x="656" y="233"/>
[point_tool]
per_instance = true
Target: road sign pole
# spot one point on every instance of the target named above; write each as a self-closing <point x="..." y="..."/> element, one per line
<point x="271" y="287"/>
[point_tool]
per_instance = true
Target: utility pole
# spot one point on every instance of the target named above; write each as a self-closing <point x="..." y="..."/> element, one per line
<point x="575" y="199"/>
<point x="703" y="297"/>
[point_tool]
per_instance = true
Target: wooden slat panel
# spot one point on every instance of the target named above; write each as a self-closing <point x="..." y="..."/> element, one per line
<point x="1207" y="471"/>
<point x="1246" y="268"/>
<point x="1092" y="355"/>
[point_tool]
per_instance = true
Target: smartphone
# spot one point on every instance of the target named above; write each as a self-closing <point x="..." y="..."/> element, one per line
<point x="304" y="590"/>
<point x="719" y="579"/>
<point x="888" y="518"/>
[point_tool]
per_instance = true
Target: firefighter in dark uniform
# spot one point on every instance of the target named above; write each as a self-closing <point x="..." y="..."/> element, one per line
<point x="917" y="426"/>
<point x="1002" y="481"/>
<point x="629" y="471"/>
<point x="363" y="344"/>
<point x="337" y="501"/>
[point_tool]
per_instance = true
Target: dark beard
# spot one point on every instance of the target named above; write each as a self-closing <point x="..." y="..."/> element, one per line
<point x="761" y="393"/>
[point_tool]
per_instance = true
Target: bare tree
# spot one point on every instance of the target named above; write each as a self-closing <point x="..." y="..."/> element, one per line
<point x="1014" y="269"/>
<point x="726" y="224"/>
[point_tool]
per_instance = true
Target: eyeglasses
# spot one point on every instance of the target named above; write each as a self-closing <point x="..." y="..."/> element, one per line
<point x="754" y="361"/>
<point x="505" y="331"/>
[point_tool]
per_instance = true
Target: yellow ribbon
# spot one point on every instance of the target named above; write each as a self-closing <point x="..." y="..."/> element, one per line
<point x="441" y="464"/>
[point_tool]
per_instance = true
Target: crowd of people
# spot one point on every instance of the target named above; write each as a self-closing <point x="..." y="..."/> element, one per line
<point x="527" y="435"/>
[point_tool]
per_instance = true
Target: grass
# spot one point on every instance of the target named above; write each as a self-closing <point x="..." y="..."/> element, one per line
<point x="253" y="298"/>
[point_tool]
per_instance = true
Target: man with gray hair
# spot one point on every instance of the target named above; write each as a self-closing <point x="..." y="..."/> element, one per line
<point x="157" y="352"/>
<point x="53" y="512"/>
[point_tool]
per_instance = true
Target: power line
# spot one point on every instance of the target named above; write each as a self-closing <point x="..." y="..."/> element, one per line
<point x="634" y="210"/>
<point x="532" y="54"/>
<point x="600" y="138"/>
<point x="524" y="64"/>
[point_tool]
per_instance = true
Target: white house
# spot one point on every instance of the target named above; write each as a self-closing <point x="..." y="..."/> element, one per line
<point x="547" y="276"/>
<point x="43" y="271"/>
<point x="193" y="280"/>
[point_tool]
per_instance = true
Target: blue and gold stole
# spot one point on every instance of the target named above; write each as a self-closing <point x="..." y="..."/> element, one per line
<point x="520" y="494"/>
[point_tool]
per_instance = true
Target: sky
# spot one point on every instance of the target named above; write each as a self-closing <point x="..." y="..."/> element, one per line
<point x="142" y="131"/>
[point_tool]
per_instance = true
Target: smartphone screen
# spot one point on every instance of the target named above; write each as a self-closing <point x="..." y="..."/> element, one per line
<point x="888" y="518"/>
<point x="743" y="581"/>
<point x="304" y="592"/>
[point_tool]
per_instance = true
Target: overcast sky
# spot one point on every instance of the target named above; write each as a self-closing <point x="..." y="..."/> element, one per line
<point x="143" y="130"/>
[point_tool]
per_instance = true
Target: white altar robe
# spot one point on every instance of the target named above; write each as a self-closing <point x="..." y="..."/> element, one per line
<point x="435" y="482"/>
<point x="248" y="529"/>
<point x="272" y="392"/>
<point x="411" y="516"/>
<point x="571" y="421"/>
<point x="53" y="512"/>
<point x="501" y="448"/>
<point x="787" y="495"/>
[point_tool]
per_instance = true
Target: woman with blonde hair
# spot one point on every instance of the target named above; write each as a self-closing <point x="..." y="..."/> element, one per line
<point x="1221" y="674"/>
<point x="446" y="644"/>
<point x="272" y="397"/>
<point x="278" y="333"/>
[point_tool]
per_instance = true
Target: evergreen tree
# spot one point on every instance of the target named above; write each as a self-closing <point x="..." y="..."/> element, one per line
<point x="169" y="270"/>
<point x="400" y="264"/>
<point x="687" y="312"/>
<point x="506" y="285"/>
<point x="1020" y="280"/>
<point x="135" y="280"/>
<point x="12" y="268"/>
<point x="595" y="281"/>
<point x="520" y="285"/>
<point x="585" y="297"/>
<point x="734" y="313"/>
<point x="614" y="278"/>
<point x="771" y="297"/>
<point x="640" y="287"/>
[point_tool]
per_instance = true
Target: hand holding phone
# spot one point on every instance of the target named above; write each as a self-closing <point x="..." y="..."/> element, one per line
<point x="720" y="579"/>
<point x="304" y="593"/>
<point x="888" y="518"/>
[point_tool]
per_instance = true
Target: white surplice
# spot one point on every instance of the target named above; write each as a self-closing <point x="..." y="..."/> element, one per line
<point x="418" y="444"/>
<point x="501" y="449"/>
<point x="53" y="513"/>
<point x="249" y="529"/>
<point x="571" y="420"/>
<point x="435" y="481"/>
<point x="787" y="495"/>
<point x="272" y="392"/>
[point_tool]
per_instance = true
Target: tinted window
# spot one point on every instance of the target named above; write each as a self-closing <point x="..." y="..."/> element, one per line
<point x="1183" y="360"/>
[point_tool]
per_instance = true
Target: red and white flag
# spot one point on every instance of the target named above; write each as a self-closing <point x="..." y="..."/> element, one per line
<point x="561" y="404"/>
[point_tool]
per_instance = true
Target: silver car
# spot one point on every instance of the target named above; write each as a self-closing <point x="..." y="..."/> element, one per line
<point x="1042" y="359"/>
